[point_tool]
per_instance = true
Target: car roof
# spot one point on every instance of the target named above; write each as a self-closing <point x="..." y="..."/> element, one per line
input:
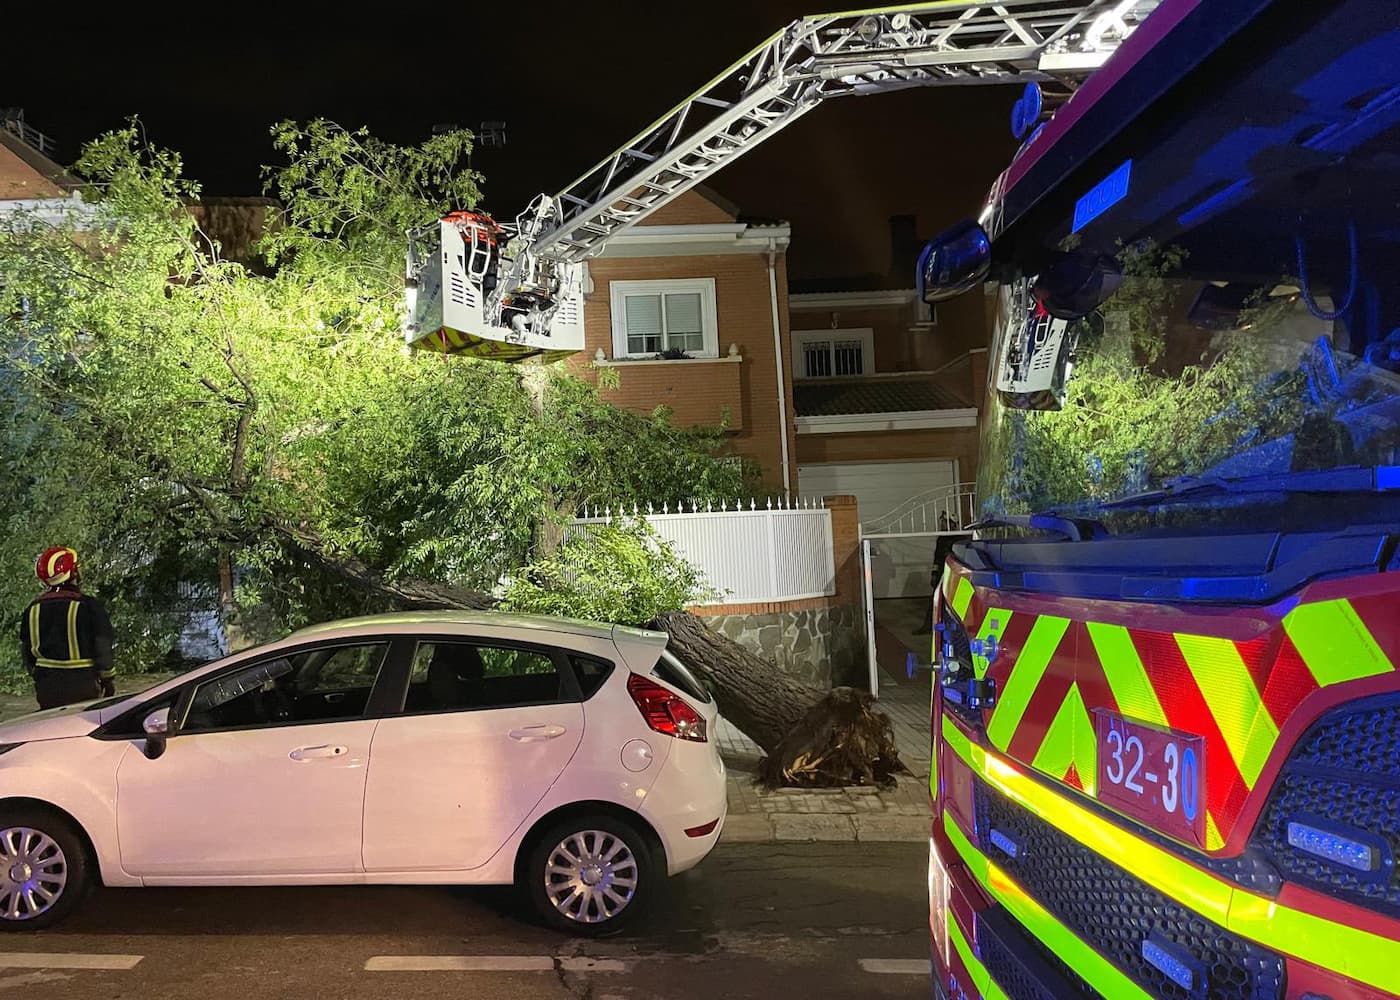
<point x="454" y="621"/>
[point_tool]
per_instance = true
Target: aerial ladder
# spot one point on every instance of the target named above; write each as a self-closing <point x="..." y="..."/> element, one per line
<point x="514" y="290"/>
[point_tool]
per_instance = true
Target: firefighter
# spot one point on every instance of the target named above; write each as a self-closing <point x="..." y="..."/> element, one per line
<point x="66" y="636"/>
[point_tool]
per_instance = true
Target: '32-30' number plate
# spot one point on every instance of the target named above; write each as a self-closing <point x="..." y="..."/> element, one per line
<point x="1155" y="775"/>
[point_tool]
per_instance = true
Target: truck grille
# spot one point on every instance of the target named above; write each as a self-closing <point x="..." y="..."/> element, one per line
<point x="1344" y="778"/>
<point x="1020" y="966"/>
<point x="1115" y="912"/>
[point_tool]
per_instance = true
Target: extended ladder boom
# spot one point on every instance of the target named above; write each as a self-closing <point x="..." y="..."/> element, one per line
<point x="825" y="56"/>
<point x="529" y="302"/>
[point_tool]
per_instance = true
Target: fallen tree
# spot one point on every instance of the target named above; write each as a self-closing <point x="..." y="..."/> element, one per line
<point x="811" y="738"/>
<point x="623" y="572"/>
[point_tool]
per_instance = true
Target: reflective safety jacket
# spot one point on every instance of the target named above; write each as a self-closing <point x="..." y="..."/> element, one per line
<point x="65" y="629"/>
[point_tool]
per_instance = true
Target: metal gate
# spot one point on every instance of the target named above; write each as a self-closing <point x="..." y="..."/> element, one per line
<point x="946" y="511"/>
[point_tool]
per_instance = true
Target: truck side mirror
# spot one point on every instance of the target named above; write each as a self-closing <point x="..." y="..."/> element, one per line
<point x="955" y="261"/>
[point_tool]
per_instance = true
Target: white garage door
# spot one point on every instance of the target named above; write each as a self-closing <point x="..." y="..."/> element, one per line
<point x="900" y="566"/>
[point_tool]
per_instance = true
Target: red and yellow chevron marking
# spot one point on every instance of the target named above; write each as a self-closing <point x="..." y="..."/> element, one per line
<point x="1234" y="677"/>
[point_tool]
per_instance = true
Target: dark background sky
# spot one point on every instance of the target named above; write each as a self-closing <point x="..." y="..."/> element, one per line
<point x="571" y="80"/>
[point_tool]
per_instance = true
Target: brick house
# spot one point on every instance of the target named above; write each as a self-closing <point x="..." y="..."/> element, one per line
<point x="29" y="179"/>
<point x="888" y="395"/>
<point x="879" y="397"/>
<point x="699" y="278"/>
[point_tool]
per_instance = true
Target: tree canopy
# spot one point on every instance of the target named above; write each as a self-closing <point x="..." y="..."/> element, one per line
<point x="186" y="421"/>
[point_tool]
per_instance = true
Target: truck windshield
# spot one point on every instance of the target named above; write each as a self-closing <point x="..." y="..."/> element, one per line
<point x="1184" y="378"/>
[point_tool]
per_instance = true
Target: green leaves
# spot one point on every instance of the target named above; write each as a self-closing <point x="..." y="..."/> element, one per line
<point x="620" y="572"/>
<point x="165" y="408"/>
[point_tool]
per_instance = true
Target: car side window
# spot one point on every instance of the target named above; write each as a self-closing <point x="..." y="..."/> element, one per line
<point x="448" y="676"/>
<point x="327" y="684"/>
<point x="591" y="673"/>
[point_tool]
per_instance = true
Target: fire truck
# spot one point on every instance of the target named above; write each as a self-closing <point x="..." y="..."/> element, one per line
<point x="1166" y="701"/>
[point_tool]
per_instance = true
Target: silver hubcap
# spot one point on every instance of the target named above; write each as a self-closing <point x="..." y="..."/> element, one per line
<point x="590" y="876"/>
<point x="33" y="872"/>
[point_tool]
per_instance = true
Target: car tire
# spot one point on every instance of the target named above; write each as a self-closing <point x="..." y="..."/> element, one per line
<point x="41" y="854"/>
<point x="590" y="875"/>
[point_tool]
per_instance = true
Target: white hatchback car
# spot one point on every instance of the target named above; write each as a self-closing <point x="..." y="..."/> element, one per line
<point x="572" y="759"/>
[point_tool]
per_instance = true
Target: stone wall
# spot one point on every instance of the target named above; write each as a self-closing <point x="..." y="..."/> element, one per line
<point x="822" y="646"/>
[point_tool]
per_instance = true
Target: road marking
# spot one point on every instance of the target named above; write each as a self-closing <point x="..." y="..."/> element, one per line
<point x="58" y="960"/>
<point x="489" y="963"/>
<point x="898" y="966"/>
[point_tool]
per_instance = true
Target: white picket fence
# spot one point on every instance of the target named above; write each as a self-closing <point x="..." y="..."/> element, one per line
<point x="762" y="550"/>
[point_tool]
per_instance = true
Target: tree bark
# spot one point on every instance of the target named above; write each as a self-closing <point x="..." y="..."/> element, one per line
<point x="811" y="737"/>
<point x="751" y="692"/>
<point x="229" y="617"/>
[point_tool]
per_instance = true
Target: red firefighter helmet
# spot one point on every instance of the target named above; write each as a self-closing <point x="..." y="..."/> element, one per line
<point x="56" y="566"/>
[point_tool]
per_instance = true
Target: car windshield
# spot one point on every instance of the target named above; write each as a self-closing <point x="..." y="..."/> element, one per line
<point x="1180" y="385"/>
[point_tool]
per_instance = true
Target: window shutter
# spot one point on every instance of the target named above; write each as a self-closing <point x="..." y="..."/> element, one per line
<point x="643" y="323"/>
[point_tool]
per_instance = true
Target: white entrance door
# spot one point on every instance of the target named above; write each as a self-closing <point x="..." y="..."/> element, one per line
<point x="900" y="566"/>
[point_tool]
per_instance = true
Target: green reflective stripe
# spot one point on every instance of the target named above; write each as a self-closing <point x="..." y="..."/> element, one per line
<point x="962" y="597"/>
<point x="975" y="860"/>
<point x="74" y="654"/>
<point x="1370" y="958"/>
<point x="1335" y="643"/>
<point x="975" y="968"/>
<point x="1070" y="740"/>
<point x="1249" y="731"/>
<point x="1059" y="939"/>
<point x="1365" y="957"/>
<point x="63" y="664"/>
<point x="933" y="743"/>
<point x="1214" y="841"/>
<point x="1160" y="869"/>
<point x="994" y="623"/>
<point x="1127" y="678"/>
<point x="1030" y="665"/>
<point x="34" y="630"/>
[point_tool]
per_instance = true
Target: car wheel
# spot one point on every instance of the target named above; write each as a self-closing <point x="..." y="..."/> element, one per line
<point x="590" y="875"/>
<point x="43" y="868"/>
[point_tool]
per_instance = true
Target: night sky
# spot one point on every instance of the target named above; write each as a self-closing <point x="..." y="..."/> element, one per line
<point x="572" y="81"/>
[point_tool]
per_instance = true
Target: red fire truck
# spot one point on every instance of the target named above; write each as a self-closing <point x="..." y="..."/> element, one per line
<point x="1166" y="708"/>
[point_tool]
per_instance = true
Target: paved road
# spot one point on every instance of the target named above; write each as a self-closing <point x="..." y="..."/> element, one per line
<point x="787" y="921"/>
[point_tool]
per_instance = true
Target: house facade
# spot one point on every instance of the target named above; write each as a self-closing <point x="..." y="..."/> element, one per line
<point x="29" y="180"/>
<point x="850" y="387"/>
<point x="690" y="311"/>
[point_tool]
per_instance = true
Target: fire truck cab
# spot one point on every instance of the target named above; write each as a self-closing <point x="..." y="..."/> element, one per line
<point x="1166" y="701"/>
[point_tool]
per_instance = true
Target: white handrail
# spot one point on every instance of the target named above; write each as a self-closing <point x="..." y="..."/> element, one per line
<point x="945" y="508"/>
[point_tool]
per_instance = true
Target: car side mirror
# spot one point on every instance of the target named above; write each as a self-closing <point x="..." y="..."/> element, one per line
<point x="157" y="729"/>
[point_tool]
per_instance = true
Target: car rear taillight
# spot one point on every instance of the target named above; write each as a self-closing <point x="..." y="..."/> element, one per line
<point x="665" y="711"/>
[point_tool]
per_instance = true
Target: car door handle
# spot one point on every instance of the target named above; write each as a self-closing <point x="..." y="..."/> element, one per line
<point x="317" y="753"/>
<point x="532" y="734"/>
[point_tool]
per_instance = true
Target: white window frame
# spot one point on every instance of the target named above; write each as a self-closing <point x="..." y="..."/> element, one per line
<point x="801" y="338"/>
<point x="619" y="290"/>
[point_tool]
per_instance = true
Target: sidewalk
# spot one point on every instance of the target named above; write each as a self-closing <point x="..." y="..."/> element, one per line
<point x="850" y="814"/>
<point x="859" y="814"/>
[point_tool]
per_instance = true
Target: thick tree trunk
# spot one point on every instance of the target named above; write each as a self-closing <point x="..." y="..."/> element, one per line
<point x="752" y="693"/>
<point x="811" y="737"/>
<point x="842" y="740"/>
<point x="229" y="618"/>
